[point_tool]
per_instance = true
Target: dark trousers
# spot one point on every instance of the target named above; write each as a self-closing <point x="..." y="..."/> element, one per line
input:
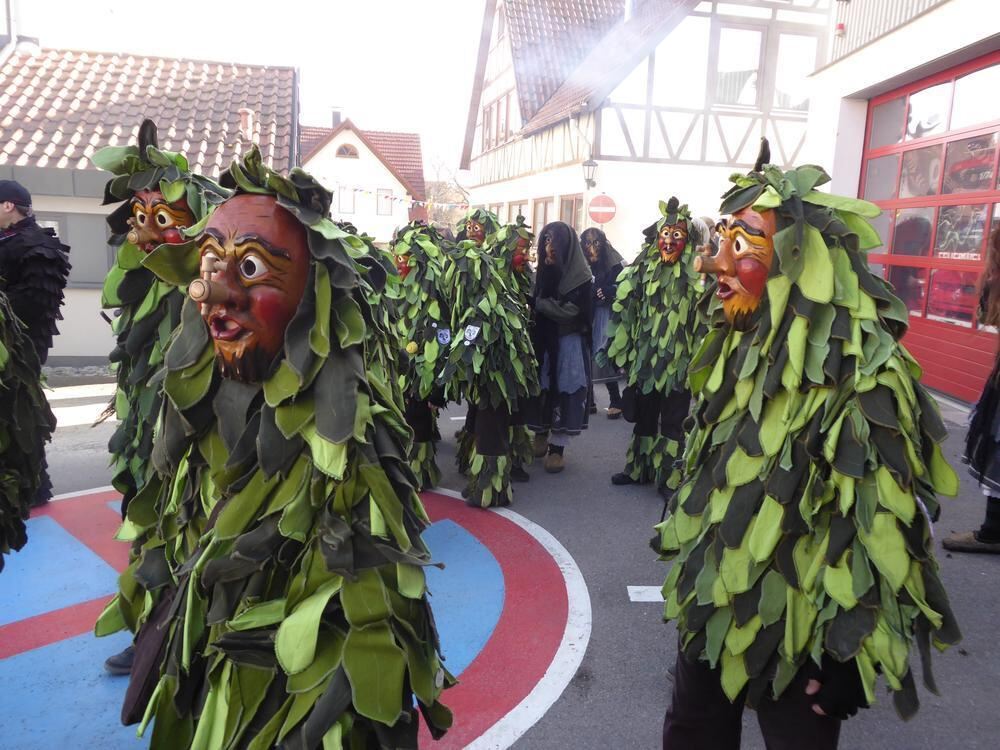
<point x="701" y="717"/>
<point x="655" y="413"/>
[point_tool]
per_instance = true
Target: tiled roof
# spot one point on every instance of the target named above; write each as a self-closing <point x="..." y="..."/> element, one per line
<point x="401" y="152"/>
<point x="58" y="106"/>
<point x="610" y="61"/>
<point x="549" y="38"/>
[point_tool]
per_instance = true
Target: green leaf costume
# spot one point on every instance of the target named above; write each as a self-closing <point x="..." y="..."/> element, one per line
<point x="423" y="324"/>
<point x="802" y="528"/>
<point x="280" y="594"/>
<point x="652" y="335"/>
<point x="149" y="309"/>
<point x="488" y="363"/>
<point x="26" y="424"/>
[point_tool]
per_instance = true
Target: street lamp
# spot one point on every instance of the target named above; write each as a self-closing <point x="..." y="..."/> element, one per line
<point x="589" y="170"/>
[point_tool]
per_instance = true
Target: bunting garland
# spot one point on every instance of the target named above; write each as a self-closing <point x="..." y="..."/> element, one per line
<point x="410" y="202"/>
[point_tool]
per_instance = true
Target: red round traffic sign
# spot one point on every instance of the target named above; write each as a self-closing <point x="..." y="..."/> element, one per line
<point x="602" y="209"/>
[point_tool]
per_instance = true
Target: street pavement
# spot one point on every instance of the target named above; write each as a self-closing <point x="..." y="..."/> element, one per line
<point x="619" y="693"/>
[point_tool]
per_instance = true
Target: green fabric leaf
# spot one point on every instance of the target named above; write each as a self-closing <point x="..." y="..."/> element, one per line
<point x="375" y="666"/>
<point x="295" y="642"/>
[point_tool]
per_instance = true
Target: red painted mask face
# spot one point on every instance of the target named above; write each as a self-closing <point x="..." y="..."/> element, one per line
<point x="671" y="242"/>
<point x="155" y="222"/>
<point x="522" y="255"/>
<point x="403" y="265"/>
<point x="743" y="263"/>
<point x="261" y="259"/>
<point x="475" y="231"/>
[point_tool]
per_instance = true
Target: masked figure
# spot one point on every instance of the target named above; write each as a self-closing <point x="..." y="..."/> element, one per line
<point x="561" y="318"/>
<point x="801" y="535"/>
<point x="280" y="596"/>
<point x="26" y="424"/>
<point x="485" y="365"/>
<point x="479" y="225"/>
<point x="652" y="334"/>
<point x="605" y="264"/>
<point x="424" y="327"/>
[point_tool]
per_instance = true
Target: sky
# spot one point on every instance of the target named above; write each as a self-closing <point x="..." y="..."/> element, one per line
<point x="388" y="64"/>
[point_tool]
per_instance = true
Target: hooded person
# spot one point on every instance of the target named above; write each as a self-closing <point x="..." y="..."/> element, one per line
<point x="801" y="536"/>
<point x="561" y="302"/>
<point x="34" y="269"/>
<point x="606" y="264"/>
<point x="652" y="333"/>
<point x="279" y="595"/>
<point x="26" y="424"/>
<point x="424" y="325"/>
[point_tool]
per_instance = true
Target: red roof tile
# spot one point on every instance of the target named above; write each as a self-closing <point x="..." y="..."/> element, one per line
<point x="59" y="106"/>
<point x="310" y="136"/>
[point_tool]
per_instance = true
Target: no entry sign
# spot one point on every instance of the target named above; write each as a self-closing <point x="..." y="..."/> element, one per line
<point x="602" y="209"/>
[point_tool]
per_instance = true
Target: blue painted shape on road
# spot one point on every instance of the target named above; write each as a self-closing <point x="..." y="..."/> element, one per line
<point x="54" y="570"/>
<point x="467" y="596"/>
<point x="60" y="696"/>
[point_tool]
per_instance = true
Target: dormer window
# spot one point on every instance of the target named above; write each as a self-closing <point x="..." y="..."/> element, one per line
<point x="347" y="151"/>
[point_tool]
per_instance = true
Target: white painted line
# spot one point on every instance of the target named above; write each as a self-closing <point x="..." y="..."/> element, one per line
<point x="645" y="594"/>
<point x="74" y="416"/>
<point x="457" y="419"/>
<point x="80" y="493"/>
<point x="94" y="390"/>
<point x="949" y="403"/>
<point x="568" y="656"/>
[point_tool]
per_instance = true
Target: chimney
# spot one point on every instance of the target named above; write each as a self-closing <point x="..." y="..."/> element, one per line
<point x="248" y="124"/>
<point x="336" y="115"/>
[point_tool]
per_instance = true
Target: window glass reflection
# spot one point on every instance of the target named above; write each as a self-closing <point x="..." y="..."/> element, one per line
<point x="968" y="164"/>
<point x="921" y="172"/>
<point x="960" y="232"/>
<point x="887" y="123"/>
<point x="880" y="180"/>
<point x="975" y="98"/>
<point x="881" y="224"/>
<point x="912" y="235"/>
<point x="791" y="85"/>
<point x="928" y="113"/>
<point x="910" y="285"/>
<point x="953" y="297"/>
<point x="739" y="61"/>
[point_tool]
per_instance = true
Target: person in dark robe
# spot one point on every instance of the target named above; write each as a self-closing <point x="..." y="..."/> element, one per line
<point x="561" y="315"/>
<point x="605" y="265"/>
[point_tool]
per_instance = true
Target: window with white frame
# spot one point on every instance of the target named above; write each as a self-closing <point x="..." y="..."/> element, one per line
<point x="383" y="205"/>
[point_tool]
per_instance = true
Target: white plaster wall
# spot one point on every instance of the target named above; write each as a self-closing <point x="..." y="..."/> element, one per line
<point x="368" y="172"/>
<point x="837" y="115"/>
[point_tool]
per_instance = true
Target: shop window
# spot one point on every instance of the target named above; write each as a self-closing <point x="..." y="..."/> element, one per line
<point x="880" y="179"/>
<point x="921" y="172"/>
<point x="887" y="123"/>
<point x="738" y="66"/>
<point x="975" y="98"/>
<point x="960" y="232"/>
<point x="883" y="225"/>
<point x="912" y="235"/>
<point x="928" y="111"/>
<point x="911" y="286"/>
<point x="968" y="164"/>
<point x="953" y="297"/>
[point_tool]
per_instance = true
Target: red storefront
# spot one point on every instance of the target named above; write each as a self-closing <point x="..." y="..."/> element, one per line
<point x="931" y="162"/>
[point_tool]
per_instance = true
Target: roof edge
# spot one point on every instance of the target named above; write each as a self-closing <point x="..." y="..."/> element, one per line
<point x="477" y="83"/>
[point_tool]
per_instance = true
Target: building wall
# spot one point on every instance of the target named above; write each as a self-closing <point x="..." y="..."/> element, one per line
<point x="343" y="175"/>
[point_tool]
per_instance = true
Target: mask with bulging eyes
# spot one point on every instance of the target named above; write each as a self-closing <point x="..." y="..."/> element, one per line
<point x="522" y="255"/>
<point x="255" y="256"/>
<point x="403" y="265"/>
<point x="155" y="222"/>
<point x="671" y="240"/>
<point x="475" y="231"/>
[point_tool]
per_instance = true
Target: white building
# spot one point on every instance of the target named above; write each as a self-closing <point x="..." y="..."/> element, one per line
<point x="374" y="175"/>
<point x="668" y="97"/>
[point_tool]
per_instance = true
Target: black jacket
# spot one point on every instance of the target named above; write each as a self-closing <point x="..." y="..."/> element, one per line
<point x="34" y="267"/>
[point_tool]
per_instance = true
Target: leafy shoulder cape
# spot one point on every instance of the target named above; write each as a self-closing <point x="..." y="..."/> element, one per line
<point x="281" y="576"/>
<point x="803" y="526"/>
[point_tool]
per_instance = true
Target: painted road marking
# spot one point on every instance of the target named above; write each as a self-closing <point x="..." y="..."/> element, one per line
<point x="93" y="390"/>
<point x="645" y="594"/>
<point x="85" y="414"/>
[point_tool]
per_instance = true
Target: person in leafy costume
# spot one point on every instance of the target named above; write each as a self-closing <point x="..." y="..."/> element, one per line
<point x="423" y="320"/>
<point x="26" y="424"/>
<point x="801" y="535"/>
<point x="279" y="596"/>
<point x="651" y="336"/>
<point x="157" y="198"/>
<point x="486" y="365"/>
<point x="560" y="335"/>
<point x="606" y="264"/>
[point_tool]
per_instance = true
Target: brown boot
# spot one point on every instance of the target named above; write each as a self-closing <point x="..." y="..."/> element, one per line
<point x="614" y="412"/>
<point x="966" y="541"/>
<point x="554" y="463"/>
<point x="541" y="444"/>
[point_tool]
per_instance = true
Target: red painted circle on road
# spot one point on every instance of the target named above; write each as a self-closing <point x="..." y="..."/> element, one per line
<point x="602" y="209"/>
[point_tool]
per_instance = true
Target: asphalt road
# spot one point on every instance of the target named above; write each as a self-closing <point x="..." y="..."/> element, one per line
<point x="617" y="698"/>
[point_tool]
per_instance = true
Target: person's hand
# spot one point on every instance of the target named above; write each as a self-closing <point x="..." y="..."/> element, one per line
<point x="600" y="293"/>
<point x="837" y="688"/>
